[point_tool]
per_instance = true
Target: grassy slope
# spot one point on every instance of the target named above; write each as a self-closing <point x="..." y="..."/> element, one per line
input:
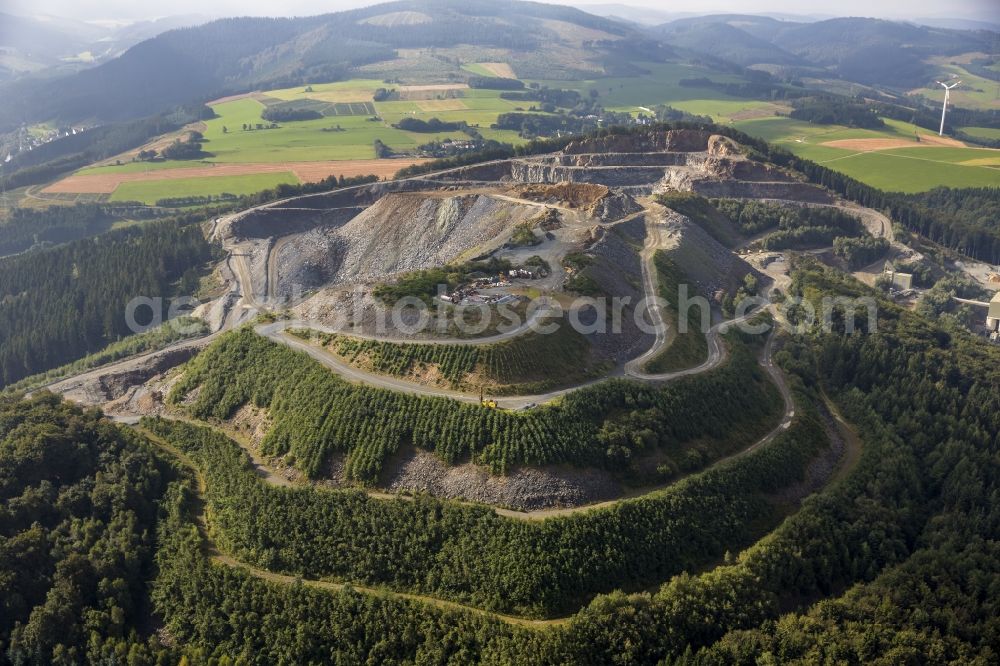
<point x="528" y="363"/>
<point x="150" y="190"/>
<point x="975" y="92"/>
<point x="982" y="132"/>
<point x="902" y="169"/>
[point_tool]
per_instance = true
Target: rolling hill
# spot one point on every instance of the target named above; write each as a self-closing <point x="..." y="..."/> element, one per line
<point x="49" y="46"/>
<point x="864" y="50"/>
<point x="232" y="55"/>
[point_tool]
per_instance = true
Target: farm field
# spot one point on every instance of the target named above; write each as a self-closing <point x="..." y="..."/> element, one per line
<point x="975" y="92"/>
<point x="890" y="158"/>
<point x="501" y="69"/>
<point x="149" y="191"/>
<point x="982" y="132"/>
<point x="660" y="86"/>
<point x="345" y="135"/>
<point x="106" y="181"/>
<point x="347" y="131"/>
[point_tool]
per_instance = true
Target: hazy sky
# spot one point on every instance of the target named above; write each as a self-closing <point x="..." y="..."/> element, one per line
<point x="139" y="9"/>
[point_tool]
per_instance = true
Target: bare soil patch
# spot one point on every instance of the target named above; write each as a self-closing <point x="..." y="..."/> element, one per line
<point x="441" y="105"/>
<point x="307" y="172"/>
<point x="500" y="69"/>
<point x="762" y="112"/>
<point x="572" y="195"/>
<point x="867" y="145"/>
<point x="232" y="98"/>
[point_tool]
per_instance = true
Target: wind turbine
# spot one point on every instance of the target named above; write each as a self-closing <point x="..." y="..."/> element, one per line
<point x="944" y="109"/>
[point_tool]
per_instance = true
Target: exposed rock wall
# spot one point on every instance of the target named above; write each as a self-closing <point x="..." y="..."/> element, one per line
<point x="751" y="190"/>
<point x="536" y="171"/>
<point x="525" y="489"/>
<point x="617" y="268"/>
<point x="642" y="142"/>
<point x="622" y="159"/>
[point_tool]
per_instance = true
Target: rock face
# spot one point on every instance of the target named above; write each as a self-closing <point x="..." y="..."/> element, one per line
<point x="551" y="170"/>
<point x="617" y="269"/>
<point x="623" y="159"/>
<point x="614" y="206"/>
<point x="722" y="146"/>
<point x="642" y="142"/>
<point x="756" y="190"/>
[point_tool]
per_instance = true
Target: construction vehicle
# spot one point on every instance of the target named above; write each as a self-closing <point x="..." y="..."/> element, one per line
<point x="486" y="402"/>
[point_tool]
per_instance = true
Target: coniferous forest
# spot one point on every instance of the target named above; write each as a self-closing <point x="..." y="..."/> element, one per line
<point x="59" y="304"/>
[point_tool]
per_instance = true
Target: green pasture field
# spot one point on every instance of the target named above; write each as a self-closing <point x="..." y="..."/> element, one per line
<point x="149" y="191"/>
<point x="966" y="156"/>
<point x="982" y="132"/>
<point x="660" y="86"/>
<point x="300" y="141"/>
<point x="914" y="169"/>
<point x="352" y="90"/>
<point x="975" y="92"/>
<point x="306" y="141"/>
<point x="143" y="167"/>
<point x="891" y="171"/>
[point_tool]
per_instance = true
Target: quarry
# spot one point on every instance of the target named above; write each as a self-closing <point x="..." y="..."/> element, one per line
<point x="567" y="228"/>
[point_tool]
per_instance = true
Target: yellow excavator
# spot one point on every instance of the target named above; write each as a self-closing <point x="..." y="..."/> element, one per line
<point x="486" y="402"/>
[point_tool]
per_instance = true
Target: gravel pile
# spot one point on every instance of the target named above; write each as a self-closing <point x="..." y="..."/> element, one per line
<point x="524" y="489"/>
<point x="400" y="232"/>
<point x="709" y="265"/>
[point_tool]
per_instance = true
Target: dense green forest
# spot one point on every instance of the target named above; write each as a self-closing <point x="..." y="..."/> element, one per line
<point x="899" y="558"/>
<point x="200" y="63"/>
<point x="76" y="531"/>
<point x="47" y="161"/>
<point x="179" y="328"/>
<point x="471" y="554"/>
<point x="611" y="424"/>
<point x="59" y="304"/>
<point x="828" y="110"/>
<point x="861" y="251"/>
<point x="28" y="228"/>
<point x="795" y="227"/>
